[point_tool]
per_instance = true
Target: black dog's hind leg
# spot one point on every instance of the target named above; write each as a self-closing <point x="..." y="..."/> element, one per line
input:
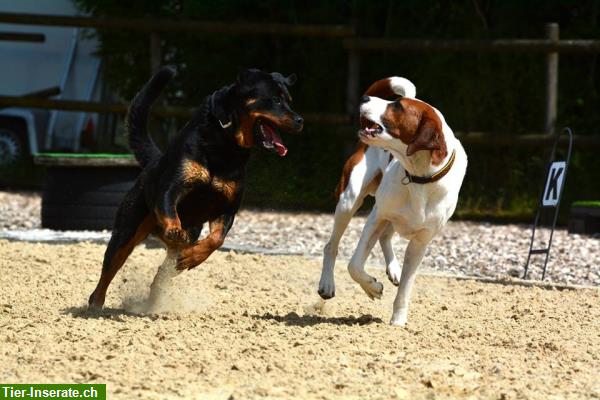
<point x="133" y="223"/>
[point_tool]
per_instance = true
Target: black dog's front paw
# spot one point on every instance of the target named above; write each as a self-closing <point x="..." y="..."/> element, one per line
<point x="177" y="235"/>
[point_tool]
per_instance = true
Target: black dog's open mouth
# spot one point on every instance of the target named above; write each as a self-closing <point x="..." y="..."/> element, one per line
<point x="269" y="137"/>
<point x="369" y="128"/>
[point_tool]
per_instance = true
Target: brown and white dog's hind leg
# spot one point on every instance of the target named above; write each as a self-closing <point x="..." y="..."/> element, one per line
<point x="392" y="266"/>
<point x="412" y="259"/>
<point x="372" y="231"/>
<point x="360" y="177"/>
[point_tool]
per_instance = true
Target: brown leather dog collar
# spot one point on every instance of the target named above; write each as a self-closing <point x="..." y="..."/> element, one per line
<point x="435" y="177"/>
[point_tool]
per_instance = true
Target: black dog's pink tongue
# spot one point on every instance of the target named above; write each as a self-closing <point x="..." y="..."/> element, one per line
<point x="280" y="148"/>
<point x="276" y="140"/>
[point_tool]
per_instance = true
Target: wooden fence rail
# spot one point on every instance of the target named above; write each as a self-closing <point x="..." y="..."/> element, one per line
<point x="536" y="140"/>
<point x="120" y="108"/>
<point x="189" y="26"/>
<point x="551" y="46"/>
<point x="475" y="138"/>
<point x="488" y="46"/>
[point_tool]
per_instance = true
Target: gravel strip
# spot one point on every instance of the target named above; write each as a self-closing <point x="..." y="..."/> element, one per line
<point x="20" y="210"/>
<point x="464" y="248"/>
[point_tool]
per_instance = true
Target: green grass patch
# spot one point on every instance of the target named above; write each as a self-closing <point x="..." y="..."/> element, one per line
<point x="586" y="203"/>
<point x="84" y="155"/>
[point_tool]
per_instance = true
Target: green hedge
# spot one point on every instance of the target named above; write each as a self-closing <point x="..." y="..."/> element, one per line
<point x="477" y="92"/>
<point x="502" y="182"/>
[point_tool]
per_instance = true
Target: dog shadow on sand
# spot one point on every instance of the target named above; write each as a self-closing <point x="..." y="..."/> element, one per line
<point x="289" y="319"/>
<point x="293" y="319"/>
<point x="114" y="314"/>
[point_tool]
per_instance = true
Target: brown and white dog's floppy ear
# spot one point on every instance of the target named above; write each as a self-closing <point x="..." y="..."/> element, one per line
<point x="428" y="137"/>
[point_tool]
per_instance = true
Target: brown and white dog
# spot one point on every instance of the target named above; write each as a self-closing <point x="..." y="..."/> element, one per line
<point x="416" y="190"/>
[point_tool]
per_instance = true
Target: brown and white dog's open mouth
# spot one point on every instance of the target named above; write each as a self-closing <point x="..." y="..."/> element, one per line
<point x="368" y="128"/>
<point x="270" y="139"/>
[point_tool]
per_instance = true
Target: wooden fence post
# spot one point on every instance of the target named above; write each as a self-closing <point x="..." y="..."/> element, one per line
<point x="155" y="124"/>
<point x="552" y="33"/>
<point x="352" y="86"/>
<point x="155" y="53"/>
<point x="353" y="80"/>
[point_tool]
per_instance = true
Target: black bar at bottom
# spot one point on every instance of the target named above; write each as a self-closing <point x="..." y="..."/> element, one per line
<point x="539" y="251"/>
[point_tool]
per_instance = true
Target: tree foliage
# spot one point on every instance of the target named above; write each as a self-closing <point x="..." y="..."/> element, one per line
<point x="502" y="93"/>
<point x="488" y="92"/>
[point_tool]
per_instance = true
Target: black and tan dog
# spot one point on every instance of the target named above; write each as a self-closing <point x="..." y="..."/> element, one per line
<point x="200" y="177"/>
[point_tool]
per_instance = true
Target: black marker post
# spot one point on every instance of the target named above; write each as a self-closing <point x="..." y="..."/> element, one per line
<point x="550" y="198"/>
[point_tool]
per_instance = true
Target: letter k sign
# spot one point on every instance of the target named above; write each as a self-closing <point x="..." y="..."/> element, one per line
<point x="554" y="183"/>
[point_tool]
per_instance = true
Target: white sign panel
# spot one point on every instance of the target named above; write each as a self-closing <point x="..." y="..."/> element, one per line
<point x="554" y="182"/>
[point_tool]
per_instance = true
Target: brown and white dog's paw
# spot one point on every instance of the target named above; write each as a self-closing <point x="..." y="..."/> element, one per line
<point x="399" y="318"/>
<point x="373" y="289"/>
<point x="394" y="272"/>
<point x="326" y="288"/>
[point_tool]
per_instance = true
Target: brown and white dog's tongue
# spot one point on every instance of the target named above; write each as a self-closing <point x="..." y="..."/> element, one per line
<point x="274" y="138"/>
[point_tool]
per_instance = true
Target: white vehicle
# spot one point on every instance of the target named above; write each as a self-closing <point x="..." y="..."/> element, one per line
<point x="65" y="60"/>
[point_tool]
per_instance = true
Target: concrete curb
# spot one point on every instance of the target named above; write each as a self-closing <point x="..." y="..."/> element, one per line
<point x="102" y="237"/>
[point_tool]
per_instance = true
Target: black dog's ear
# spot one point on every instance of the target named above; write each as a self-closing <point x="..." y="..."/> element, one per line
<point x="278" y="77"/>
<point x="245" y="75"/>
<point x="219" y="112"/>
<point x="290" y="80"/>
<point x="217" y="104"/>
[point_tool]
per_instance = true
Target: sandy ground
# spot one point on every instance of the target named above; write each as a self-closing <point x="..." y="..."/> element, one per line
<point x="248" y="326"/>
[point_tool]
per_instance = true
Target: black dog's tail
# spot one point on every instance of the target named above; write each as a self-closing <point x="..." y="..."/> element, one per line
<point x="140" y="142"/>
